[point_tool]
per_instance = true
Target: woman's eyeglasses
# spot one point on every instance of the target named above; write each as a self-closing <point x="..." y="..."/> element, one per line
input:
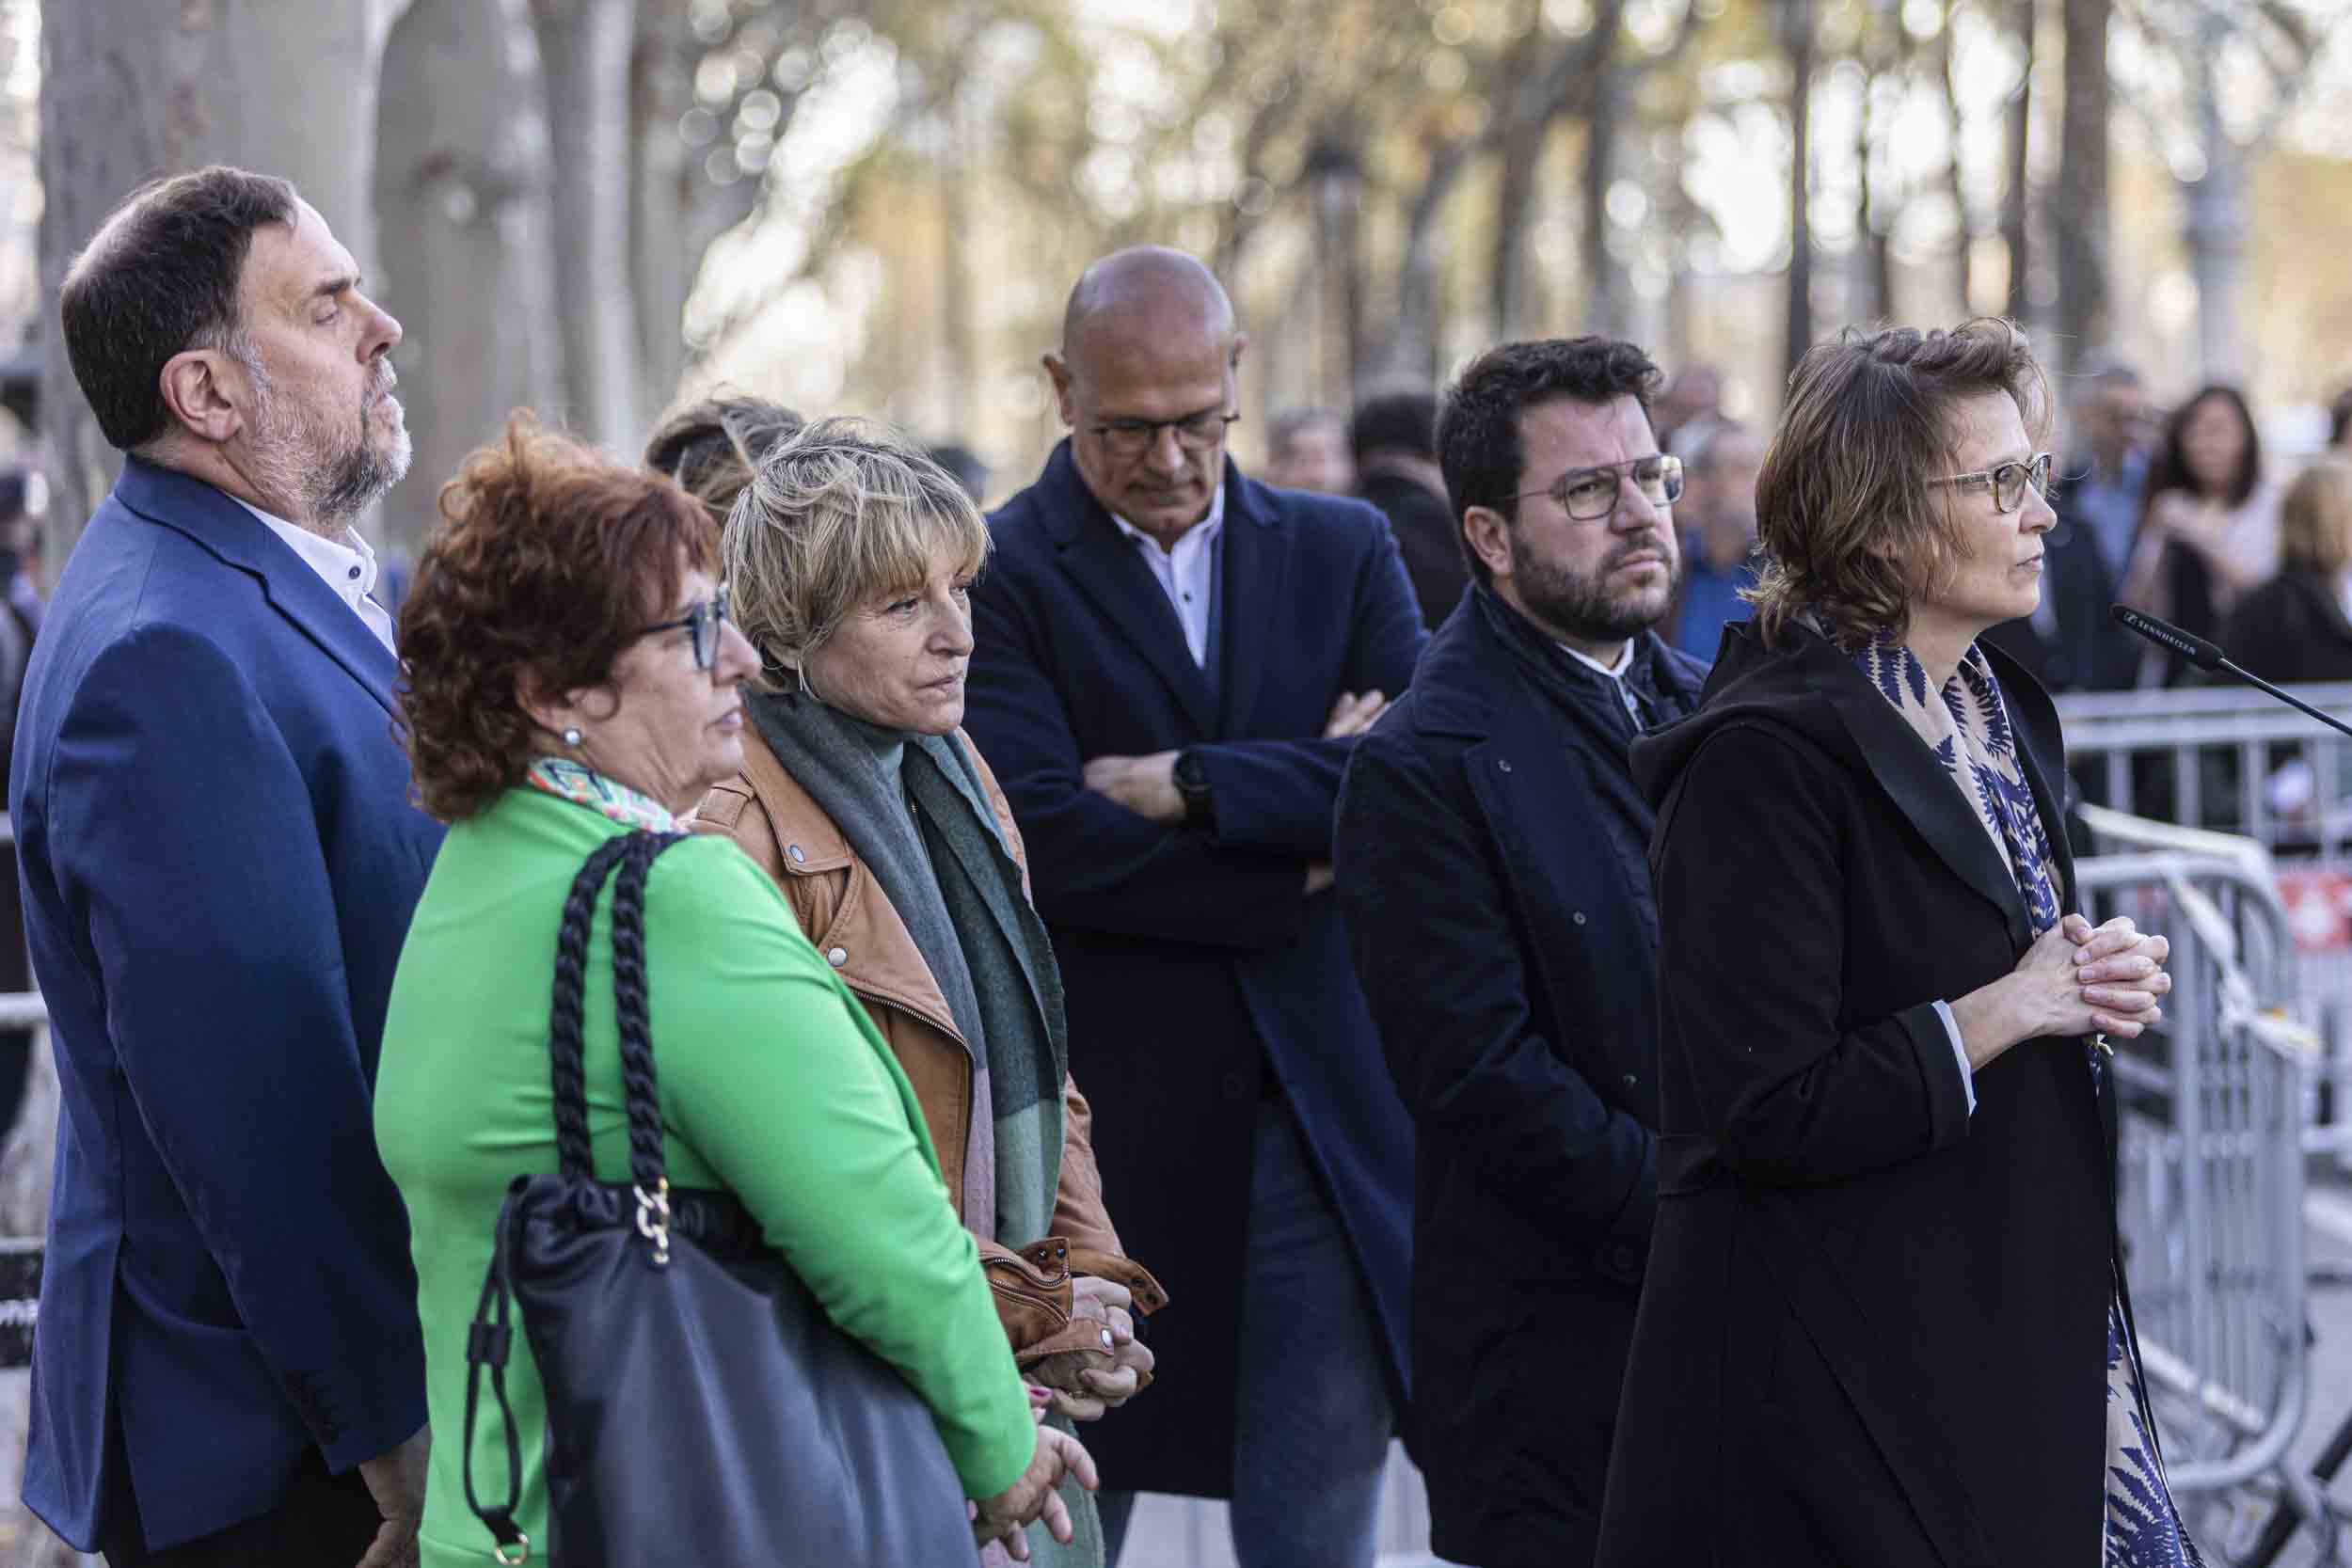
<point x="702" y="617"/>
<point x="1589" y="495"/>
<point x="2008" y="483"/>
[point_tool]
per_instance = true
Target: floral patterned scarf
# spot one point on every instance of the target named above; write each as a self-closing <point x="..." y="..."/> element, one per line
<point x="1966" y="726"/>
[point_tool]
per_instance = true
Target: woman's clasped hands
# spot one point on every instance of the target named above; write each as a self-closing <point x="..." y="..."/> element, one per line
<point x="2075" y="979"/>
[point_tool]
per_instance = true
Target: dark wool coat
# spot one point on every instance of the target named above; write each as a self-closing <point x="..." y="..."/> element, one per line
<point x="2292" y="628"/>
<point x="1873" y="1331"/>
<point x="1195" y="962"/>
<point x="1493" y="868"/>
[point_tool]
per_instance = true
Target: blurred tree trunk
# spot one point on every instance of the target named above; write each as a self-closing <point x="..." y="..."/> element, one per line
<point x="1874" y="204"/>
<point x="2082" y="237"/>
<point x="1964" y="232"/>
<point x="461" y="188"/>
<point x="1409" y="350"/>
<point x="584" y="52"/>
<point x="1796" y="20"/>
<point x="678" y="209"/>
<point x="2017" y="198"/>
<point x="129" y="92"/>
<point x="1521" y="158"/>
<point x="1606" y="306"/>
<point x="2215" y="229"/>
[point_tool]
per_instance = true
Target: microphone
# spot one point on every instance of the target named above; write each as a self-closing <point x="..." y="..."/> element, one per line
<point x="2207" y="656"/>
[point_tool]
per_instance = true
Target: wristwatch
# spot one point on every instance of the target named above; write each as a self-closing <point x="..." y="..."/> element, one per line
<point x="1192" y="782"/>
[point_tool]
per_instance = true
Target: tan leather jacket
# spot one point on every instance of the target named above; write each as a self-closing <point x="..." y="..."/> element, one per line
<point x="842" y="908"/>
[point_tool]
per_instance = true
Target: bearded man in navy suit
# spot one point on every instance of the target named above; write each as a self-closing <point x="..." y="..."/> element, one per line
<point x="219" y="861"/>
<point x="1172" y="663"/>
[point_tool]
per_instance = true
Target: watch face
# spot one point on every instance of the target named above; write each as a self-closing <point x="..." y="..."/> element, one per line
<point x="1190" y="776"/>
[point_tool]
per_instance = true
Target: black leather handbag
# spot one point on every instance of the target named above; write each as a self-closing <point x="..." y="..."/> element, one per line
<point x="702" y="1410"/>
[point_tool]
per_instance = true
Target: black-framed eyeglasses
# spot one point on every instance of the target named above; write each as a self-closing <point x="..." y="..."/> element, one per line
<point x="2008" y="483"/>
<point x="702" y="617"/>
<point x="1194" y="432"/>
<point x="1589" y="495"/>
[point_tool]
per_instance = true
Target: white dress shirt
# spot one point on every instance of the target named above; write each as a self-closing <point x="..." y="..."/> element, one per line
<point x="1614" y="672"/>
<point x="1187" y="574"/>
<point x="349" y="568"/>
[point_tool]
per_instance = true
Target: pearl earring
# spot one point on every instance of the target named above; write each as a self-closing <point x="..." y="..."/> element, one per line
<point x="571" y="736"/>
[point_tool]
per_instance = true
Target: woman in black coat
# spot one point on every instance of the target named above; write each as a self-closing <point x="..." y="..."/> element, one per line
<point x="2294" y="627"/>
<point x="1884" y="1320"/>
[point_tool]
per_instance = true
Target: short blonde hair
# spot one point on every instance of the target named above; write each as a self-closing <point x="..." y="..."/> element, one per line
<point x="839" y="515"/>
<point x="1853" y="529"/>
<point x="2315" y="520"/>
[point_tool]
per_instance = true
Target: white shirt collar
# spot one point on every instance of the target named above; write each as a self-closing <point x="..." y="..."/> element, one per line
<point x="348" y="567"/>
<point x="1614" y="672"/>
<point x="1196" y="535"/>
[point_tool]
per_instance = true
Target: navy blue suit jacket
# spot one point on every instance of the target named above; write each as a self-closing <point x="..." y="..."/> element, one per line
<point x="1192" y="961"/>
<point x="219" y="861"/>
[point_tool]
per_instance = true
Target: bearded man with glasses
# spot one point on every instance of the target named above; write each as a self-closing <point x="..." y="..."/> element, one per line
<point x="1171" y="666"/>
<point x="1493" y="872"/>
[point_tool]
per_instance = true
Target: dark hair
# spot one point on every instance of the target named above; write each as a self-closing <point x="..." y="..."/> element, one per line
<point x="548" y="557"/>
<point x="1843" y="506"/>
<point x="2340" y="418"/>
<point x="1479" y="448"/>
<point x="711" y="446"/>
<point x="161" y="277"/>
<point x="1396" y="421"/>
<point x="2169" y="469"/>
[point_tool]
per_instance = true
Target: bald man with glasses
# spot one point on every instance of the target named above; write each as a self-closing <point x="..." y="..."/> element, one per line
<point x="1173" y="665"/>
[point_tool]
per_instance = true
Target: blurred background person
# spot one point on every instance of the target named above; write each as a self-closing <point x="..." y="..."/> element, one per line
<point x="711" y="446"/>
<point x="1693" y="392"/>
<point x="851" y="568"/>
<point x="19" y="620"/>
<point x="2209" y="523"/>
<point x="1306" y="450"/>
<point x="2298" y="626"/>
<point x="2071" y="643"/>
<point x="965" y="467"/>
<point x="2340" y="424"/>
<point x="1717" y="522"/>
<point x="572" y="675"/>
<point x="1392" y="441"/>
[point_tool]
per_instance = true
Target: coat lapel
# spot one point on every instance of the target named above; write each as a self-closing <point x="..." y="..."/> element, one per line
<point x="1104" y="565"/>
<point x="238" y="538"/>
<point x="1256" y="557"/>
<point x="1907" y="771"/>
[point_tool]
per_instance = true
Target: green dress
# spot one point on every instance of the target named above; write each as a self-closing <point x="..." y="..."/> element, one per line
<point x="774" y="1083"/>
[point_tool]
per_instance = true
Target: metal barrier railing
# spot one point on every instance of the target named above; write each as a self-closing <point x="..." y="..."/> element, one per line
<point x="2309" y="988"/>
<point x="2210" y="1171"/>
<point x="2226" y="757"/>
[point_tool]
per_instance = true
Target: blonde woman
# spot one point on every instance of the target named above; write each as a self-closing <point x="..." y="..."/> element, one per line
<point x="851" y="556"/>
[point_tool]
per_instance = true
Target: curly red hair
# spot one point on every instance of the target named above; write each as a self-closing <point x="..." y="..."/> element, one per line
<point x="548" y="557"/>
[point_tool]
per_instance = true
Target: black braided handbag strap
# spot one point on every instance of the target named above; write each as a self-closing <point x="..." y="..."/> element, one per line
<point x="631" y="1001"/>
<point x="634" y="853"/>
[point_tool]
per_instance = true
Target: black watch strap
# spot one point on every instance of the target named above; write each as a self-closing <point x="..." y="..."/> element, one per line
<point x="1192" y="782"/>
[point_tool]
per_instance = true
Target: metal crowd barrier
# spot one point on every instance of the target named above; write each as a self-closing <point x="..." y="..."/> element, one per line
<point x="2209" y="1174"/>
<point x="2233" y="772"/>
<point x="2208" y="756"/>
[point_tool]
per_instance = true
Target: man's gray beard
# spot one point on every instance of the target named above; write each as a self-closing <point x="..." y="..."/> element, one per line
<point x="1581" y="608"/>
<point x="327" y="478"/>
